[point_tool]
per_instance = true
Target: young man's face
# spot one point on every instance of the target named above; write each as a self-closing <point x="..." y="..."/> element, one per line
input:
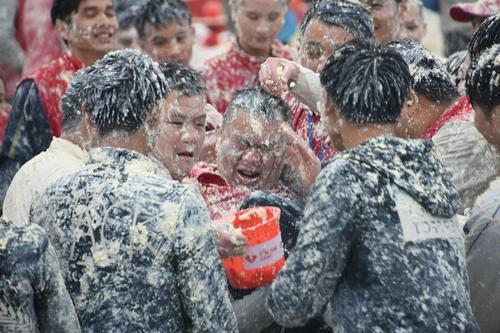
<point x="128" y="39"/>
<point x="169" y="44"/>
<point x="181" y="135"/>
<point x="412" y="23"/>
<point x="92" y="28"/>
<point x="258" y="22"/>
<point x="386" y="19"/>
<point x="488" y="127"/>
<point x="249" y="152"/>
<point x="319" y="42"/>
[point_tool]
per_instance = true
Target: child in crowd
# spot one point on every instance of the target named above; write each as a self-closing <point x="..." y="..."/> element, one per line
<point x="257" y="23"/>
<point x="363" y="253"/>
<point x="165" y="31"/>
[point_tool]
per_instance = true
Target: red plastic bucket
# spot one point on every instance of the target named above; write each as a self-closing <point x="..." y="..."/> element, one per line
<point x="264" y="256"/>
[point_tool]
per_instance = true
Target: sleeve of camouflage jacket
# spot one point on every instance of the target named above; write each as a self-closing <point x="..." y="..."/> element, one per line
<point x="200" y="277"/>
<point x="12" y="54"/>
<point x="308" y="89"/>
<point x="306" y="284"/>
<point x="54" y="308"/>
<point x="28" y="133"/>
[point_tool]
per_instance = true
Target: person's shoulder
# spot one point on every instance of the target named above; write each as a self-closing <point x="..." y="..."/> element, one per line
<point x="17" y="238"/>
<point x="488" y="203"/>
<point x="334" y="172"/>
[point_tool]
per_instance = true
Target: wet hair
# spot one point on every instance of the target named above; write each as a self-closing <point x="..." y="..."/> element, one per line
<point x="453" y="64"/>
<point x="486" y="35"/>
<point x="353" y="17"/>
<point x="62" y="10"/>
<point x="430" y="77"/>
<point x="367" y="82"/>
<point x="126" y="18"/>
<point x="186" y="81"/>
<point x="161" y="13"/>
<point x="256" y="102"/>
<point x="72" y="101"/>
<point x="122" y="90"/>
<point x="483" y="80"/>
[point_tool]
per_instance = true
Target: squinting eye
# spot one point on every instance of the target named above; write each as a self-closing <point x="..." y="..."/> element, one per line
<point x="175" y="123"/>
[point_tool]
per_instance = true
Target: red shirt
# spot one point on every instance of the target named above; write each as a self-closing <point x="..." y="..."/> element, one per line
<point x="221" y="198"/>
<point x="52" y="81"/>
<point x="309" y="127"/>
<point x="235" y="70"/>
<point x="461" y="110"/>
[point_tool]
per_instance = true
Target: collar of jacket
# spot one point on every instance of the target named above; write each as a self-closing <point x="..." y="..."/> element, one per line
<point x="127" y="161"/>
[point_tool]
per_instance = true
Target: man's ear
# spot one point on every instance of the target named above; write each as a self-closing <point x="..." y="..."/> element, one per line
<point x="62" y="29"/>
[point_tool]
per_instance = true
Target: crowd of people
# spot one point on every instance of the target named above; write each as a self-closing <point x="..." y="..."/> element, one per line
<point x="120" y="164"/>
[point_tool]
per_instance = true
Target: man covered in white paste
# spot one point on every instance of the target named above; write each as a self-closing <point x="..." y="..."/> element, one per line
<point x="136" y="246"/>
<point x="379" y="240"/>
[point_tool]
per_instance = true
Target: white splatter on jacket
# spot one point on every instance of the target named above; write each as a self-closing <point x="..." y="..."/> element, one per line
<point x="379" y="249"/>
<point x="136" y="248"/>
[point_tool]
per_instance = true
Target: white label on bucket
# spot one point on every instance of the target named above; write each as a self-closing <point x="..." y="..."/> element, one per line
<point x="264" y="254"/>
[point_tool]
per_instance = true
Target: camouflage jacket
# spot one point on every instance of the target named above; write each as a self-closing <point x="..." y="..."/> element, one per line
<point x="136" y="248"/>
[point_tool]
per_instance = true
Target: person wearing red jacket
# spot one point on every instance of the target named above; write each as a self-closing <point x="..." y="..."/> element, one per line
<point x="257" y="23"/>
<point x="88" y="28"/>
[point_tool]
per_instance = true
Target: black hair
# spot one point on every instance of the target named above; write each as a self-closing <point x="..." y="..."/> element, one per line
<point x="486" y="35"/>
<point x="186" y="81"/>
<point x="161" y="13"/>
<point x="483" y="80"/>
<point x="453" y="64"/>
<point x="121" y="90"/>
<point x="430" y="77"/>
<point x="62" y="10"/>
<point x="258" y="102"/>
<point x="353" y="17"/>
<point x="72" y="101"/>
<point x="127" y="17"/>
<point x="367" y="82"/>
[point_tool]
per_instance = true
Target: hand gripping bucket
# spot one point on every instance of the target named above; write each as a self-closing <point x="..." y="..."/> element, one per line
<point x="264" y="256"/>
